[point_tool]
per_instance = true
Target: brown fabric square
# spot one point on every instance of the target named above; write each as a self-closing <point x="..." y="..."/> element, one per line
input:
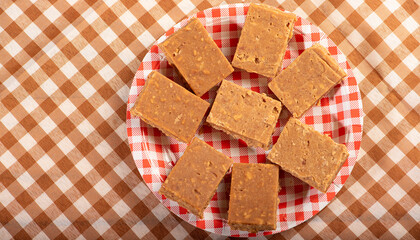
<point x="68" y="88"/>
<point x="62" y="203"/>
<point x="109" y="16"/>
<point x="13" y="30"/>
<point x="33" y="12"/>
<point x="51" y="31"/>
<point x="45" y="182"/>
<point x="147" y="20"/>
<point x="48" y="106"/>
<point x="107" y="54"/>
<point x="89" y="33"/>
<point x="26" y="160"/>
<point x="30" y="84"/>
<point x="32" y="49"/>
<point x="88" y="71"/>
<point x="49" y="67"/>
<point x="84" y="147"/>
<point x="28" y="123"/>
<point x="71" y="14"/>
<point x="65" y="164"/>
<point x="69" y="50"/>
<point x="83" y="186"/>
<point x="24" y="199"/>
<point x="377" y="229"/>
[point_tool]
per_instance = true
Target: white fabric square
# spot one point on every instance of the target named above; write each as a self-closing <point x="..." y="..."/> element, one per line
<point x="102" y="187"/>
<point x="89" y="53"/>
<point x="414" y="137"/>
<point x="52" y="13"/>
<point x="87" y="90"/>
<point x="336" y="18"/>
<point x="45" y="163"/>
<point x="375" y="96"/>
<point x="62" y="222"/>
<point x="65" y="145"/>
<point x="47" y="124"/>
<point x="186" y="6"/>
<point x="355" y="3"/>
<point x="398" y="230"/>
<point x="376" y="172"/>
<point x="412" y="98"/>
<point x="23" y="218"/>
<point x="104" y="149"/>
<point x="44" y="201"/>
<point x="67" y="107"/>
<point x="140" y="229"/>
<point x="411" y="62"/>
<point x="414" y="174"/>
<point x="127" y="56"/>
<point x="108" y="35"/>
<point x="357" y="190"/>
<point x="49" y="87"/>
<point x="393" y="79"/>
<point x="13" y="11"/>
<point x="394" y="116"/>
<point x="90" y="15"/>
<point x="179" y="232"/>
<point x="25" y="180"/>
<point x="396" y="192"/>
<point x="70" y="32"/>
<point x="7" y="159"/>
<point x="122" y="170"/>
<point x="32" y="30"/>
<point x="29" y="104"/>
<point x="374" y="20"/>
<point x="6" y="197"/>
<point x="121" y="208"/>
<point x="84" y="166"/>
<point x="392" y="5"/>
<point x="395" y="154"/>
<point x="392" y="41"/>
<point x="63" y="183"/>
<point x="355" y="38"/>
<point x="128" y="18"/>
<point x="148" y="4"/>
<point x="410" y="24"/>
<point x="69" y="69"/>
<point x="375" y="134"/>
<point x="166" y="22"/>
<point x="9" y="121"/>
<point x="85" y="128"/>
<point x="13" y="48"/>
<point x="51" y="49"/>
<point x="146" y="39"/>
<point x="41" y="236"/>
<point x="31" y="66"/>
<point x="11" y="83"/>
<point x="107" y="73"/>
<point x="105" y="110"/>
<point x="357" y="227"/>
<point x="82" y="205"/>
<point x="377" y="210"/>
<point x="27" y="142"/>
<point x="374" y="58"/>
<point x="160" y="212"/>
<point x="109" y="3"/>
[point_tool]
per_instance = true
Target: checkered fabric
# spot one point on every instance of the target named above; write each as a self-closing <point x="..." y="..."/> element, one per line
<point x="66" y="168"/>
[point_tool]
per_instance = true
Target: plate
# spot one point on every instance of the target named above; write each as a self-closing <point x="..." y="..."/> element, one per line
<point x="339" y="115"/>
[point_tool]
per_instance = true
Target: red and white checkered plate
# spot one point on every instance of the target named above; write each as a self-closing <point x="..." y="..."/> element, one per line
<point x="339" y="115"/>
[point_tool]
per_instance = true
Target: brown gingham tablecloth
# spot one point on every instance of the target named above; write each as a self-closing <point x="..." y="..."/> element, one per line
<point x="66" y="169"/>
